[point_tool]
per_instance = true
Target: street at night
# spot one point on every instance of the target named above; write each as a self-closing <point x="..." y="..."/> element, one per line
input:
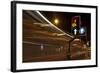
<point x="56" y="36"/>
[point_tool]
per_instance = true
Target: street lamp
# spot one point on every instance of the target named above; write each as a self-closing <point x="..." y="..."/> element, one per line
<point x="56" y="21"/>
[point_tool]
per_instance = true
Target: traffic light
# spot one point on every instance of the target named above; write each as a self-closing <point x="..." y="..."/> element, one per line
<point x="76" y="27"/>
<point x="82" y="31"/>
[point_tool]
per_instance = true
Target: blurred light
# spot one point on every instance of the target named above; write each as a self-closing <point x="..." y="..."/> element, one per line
<point x="42" y="47"/>
<point x="82" y="31"/>
<point x="56" y="21"/>
<point x="75" y="31"/>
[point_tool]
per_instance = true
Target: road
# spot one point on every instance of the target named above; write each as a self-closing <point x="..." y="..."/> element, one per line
<point x="41" y="42"/>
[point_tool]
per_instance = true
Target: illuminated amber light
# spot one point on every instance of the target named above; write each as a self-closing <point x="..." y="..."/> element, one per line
<point x="56" y="21"/>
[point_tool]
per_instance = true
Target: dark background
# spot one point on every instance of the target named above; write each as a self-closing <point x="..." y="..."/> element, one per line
<point x="65" y="20"/>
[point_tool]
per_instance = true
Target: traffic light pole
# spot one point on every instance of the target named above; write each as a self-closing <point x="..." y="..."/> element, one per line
<point x="69" y="49"/>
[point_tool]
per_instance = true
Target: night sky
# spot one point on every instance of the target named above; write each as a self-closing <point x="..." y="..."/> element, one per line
<point x="65" y="20"/>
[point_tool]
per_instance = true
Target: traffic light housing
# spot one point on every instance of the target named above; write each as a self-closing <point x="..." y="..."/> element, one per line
<point x="76" y="27"/>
